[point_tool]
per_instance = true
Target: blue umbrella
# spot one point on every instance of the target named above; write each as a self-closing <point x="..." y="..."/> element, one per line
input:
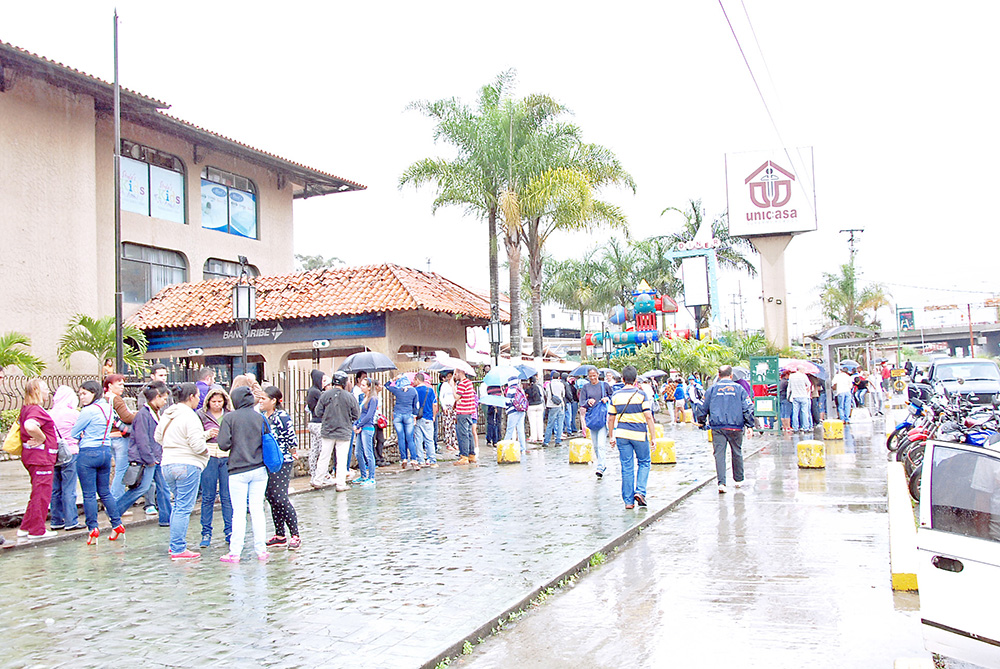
<point x="526" y="371"/>
<point x="849" y="364"/>
<point x="501" y="376"/>
<point x="490" y="400"/>
<point x="582" y="371"/>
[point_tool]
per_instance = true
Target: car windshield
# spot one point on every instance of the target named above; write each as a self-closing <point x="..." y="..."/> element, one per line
<point x="984" y="370"/>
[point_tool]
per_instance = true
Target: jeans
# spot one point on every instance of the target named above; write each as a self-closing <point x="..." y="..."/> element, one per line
<point x="463" y="429"/>
<point x="492" y="424"/>
<point x="515" y="423"/>
<point x="801" y="413"/>
<point x="33" y="521"/>
<point x="734" y="438"/>
<point x="634" y="480"/>
<point x="126" y="501"/>
<point x="93" y="467"/>
<point x="423" y="436"/>
<point x="119" y="446"/>
<point x="404" y="436"/>
<point x="366" y="454"/>
<point x="183" y="481"/>
<point x="62" y="508"/>
<point x="554" y="426"/>
<point x="163" y="505"/>
<point x="844" y="406"/>
<point x="569" y="420"/>
<point x="215" y="477"/>
<point x="247" y="490"/>
<point x="599" y="438"/>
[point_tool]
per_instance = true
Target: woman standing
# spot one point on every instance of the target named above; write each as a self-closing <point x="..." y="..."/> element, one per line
<point x="364" y="427"/>
<point x="93" y="430"/>
<point x="215" y="475"/>
<point x="282" y="511"/>
<point x="240" y="435"/>
<point x="536" y="409"/>
<point x="38" y="456"/>
<point x="446" y="395"/>
<point x="517" y="407"/>
<point x="63" y="514"/>
<point x="114" y="386"/>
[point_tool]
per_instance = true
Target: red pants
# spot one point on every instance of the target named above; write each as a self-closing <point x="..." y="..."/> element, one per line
<point x="38" y="504"/>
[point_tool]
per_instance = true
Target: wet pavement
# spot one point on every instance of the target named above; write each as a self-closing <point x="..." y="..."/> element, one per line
<point x="389" y="576"/>
<point x="792" y="571"/>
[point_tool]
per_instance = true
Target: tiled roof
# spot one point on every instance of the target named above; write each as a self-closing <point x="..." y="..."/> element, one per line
<point x="322" y="292"/>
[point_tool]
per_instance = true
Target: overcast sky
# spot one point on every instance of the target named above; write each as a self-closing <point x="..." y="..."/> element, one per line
<point x="894" y="97"/>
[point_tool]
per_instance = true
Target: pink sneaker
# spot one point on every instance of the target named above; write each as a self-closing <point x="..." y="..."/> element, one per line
<point x="230" y="558"/>
<point x="264" y="556"/>
<point x="185" y="555"/>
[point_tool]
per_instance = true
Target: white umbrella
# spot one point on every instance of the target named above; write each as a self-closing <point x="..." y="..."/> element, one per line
<point x="444" y="361"/>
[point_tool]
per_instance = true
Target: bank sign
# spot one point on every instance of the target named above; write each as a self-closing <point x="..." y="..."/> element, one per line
<point x="771" y="192"/>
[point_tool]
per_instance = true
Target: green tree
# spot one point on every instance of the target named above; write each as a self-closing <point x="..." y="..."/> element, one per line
<point x="845" y="301"/>
<point x="619" y="263"/>
<point x="307" y="263"/>
<point x="96" y="336"/>
<point x="732" y="252"/>
<point x="12" y="345"/>
<point x="576" y="284"/>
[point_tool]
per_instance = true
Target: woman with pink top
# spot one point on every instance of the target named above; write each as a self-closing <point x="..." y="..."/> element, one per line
<point x="63" y="514"/>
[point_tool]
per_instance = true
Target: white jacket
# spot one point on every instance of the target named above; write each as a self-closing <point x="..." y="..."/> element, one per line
<point x="183" y="437"/>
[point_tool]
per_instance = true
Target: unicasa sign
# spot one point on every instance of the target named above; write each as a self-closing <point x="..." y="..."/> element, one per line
<point x="771" y="192"/>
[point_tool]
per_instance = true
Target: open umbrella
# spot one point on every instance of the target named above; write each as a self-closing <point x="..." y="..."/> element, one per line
<point x="366" y="361"/>
<point x="491" y="400"/>
<point x="654" y="373"/>
<point x="444" y="362"/>
<point x="605" y="370"/>
<point x="850" y="365"/>
<point x="500" y="376"/>
<point x="527" y="371"/>
<point x="796" y="365"/>
<point x="741" y="374"/>
<point x="582" y="371"/>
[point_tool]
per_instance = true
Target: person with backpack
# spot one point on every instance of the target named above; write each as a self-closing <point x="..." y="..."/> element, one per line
<point x="594" y="398"/>
<point x="517" y="407"/>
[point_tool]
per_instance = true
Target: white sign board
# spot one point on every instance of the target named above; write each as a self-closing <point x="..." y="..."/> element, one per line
<point x="166" y="194"/>
<point x="771" y="192"/>
<point x="135" y="186"/>
<point x="695" y="272"/>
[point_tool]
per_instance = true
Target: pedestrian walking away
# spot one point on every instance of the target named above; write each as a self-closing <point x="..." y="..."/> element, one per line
<point x="404" y="411"/>
<point x="842" y="387"/>
<point x="536" y="409"/>
<point x="555" y="401"/>
<point x="630" y="424"/>
<point x="282" y="512"/>
<point x="728" y="411"/>
<point x="423" y="430"/>
<point x="517" y="407"/>
<point x="800" y="395"/>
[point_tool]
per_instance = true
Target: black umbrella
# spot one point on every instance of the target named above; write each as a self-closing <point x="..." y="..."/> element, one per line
<point x="366" y="361"/>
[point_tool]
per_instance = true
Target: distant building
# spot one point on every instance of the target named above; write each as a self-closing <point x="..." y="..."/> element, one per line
<point x="192" y="200"/>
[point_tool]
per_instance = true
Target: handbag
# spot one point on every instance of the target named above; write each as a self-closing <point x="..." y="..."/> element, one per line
<point x="133" y="475"/>
<point x="382" y="421"/>
<point x="273" y="457"/>
<point x="64" y="456"/>
<point x="12" y="444"/>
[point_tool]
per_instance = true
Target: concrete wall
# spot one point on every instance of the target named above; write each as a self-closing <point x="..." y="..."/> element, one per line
<point x="429" y="330"/>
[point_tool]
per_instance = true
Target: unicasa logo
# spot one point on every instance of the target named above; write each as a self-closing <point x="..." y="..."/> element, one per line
<point x="770" y="190"/>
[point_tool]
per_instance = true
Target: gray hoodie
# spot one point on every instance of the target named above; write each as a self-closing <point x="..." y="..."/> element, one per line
<point x="240" y="433"/>
<point x="339" y="409"/>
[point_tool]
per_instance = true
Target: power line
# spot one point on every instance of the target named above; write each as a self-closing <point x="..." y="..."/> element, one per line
<point x="943" y="290"/>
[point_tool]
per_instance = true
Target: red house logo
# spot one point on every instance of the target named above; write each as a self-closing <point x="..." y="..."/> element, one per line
<point x="770" y="186"/>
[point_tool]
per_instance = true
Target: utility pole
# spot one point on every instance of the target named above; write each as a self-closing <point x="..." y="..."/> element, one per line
<point x="851" y="240"/>
<point x="119" y="327"/>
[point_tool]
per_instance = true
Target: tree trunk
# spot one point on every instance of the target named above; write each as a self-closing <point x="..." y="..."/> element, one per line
<point x="494" y="271"/>
<point x="535" y="277"/>
<point x="514" y="266"/>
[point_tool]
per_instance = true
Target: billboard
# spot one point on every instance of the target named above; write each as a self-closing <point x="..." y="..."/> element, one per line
<point x="906" y="321"/>
<point x="695" y="273"/>
<point x="771" y="192"/>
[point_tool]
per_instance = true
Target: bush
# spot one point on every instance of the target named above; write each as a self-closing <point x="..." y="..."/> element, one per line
<point x="7" y="418"/>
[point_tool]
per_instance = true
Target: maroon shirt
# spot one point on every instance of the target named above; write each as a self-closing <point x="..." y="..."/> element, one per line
<point x="44" y="454"/>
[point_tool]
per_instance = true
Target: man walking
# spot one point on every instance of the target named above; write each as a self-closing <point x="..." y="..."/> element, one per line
<point x="729" y="410"/>
<point x="339" y="410"/>
<point x="800" y="393"/>
<point x="630" y="423"/>
<point x="591" y="394"/>
<point x="842" y="386"/>
<point x="555" y="399"/>
<point x="465" y="418"/>
<point x="423" y="432"/>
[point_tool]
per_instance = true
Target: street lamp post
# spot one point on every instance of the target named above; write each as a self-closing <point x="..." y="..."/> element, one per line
<point x="657" y="349"/>
<point x="244" y="305"/>
<point x="606" y="345"/>
<point x="495" y="334"/>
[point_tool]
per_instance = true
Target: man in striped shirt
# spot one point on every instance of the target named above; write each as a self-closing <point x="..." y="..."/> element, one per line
<point x="630" y="424"/>
<point x="465" y="410"/>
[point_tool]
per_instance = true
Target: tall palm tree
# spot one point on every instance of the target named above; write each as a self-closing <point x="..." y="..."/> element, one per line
<point x="845" y="302"/>
<point x="618" y="263"/>
<point x="96" y="336"/>
<point x="12" y="353"/>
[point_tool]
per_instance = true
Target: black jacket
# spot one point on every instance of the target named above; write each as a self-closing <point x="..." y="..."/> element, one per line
<point x="240" y="433"/>
<point x="312" y="397"/>
<point x="339" y="409"/>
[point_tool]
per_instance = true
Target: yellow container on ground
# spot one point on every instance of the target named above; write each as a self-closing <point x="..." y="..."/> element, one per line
<point x="659" y="431"/>
<point x="709" y="433"/>
<point x="688" y="416"/>
<point x="812" y="454"/>
<point x="663" y="452"/>
<point x="833" y="429"/>
<point x="508" y="452"/>
<point x="581" y="451"/>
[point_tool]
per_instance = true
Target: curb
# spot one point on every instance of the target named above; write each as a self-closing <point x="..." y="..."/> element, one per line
<point x="454" y="650"/>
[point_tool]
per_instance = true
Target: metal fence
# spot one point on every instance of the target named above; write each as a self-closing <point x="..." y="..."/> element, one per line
<point x="12" y="387"/>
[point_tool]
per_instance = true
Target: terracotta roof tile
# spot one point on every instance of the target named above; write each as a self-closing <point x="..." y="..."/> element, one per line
<point x="323" y="292"/>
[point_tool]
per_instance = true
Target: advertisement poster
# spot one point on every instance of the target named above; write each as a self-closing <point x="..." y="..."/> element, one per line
<point x="214" y="206"/>
<point x="771" y="192"/>
<point x="242" y="214"/>
<point x="166" y="194"/>
<point x="134" y="186"/>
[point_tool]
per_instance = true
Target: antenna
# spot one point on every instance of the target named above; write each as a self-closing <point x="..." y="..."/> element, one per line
<point x="851" y="240"/>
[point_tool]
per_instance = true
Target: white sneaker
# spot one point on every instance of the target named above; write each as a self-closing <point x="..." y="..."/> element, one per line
<point x="46" y="535"/>
<point x="739" y="484"/>
<point x="723" y="488"/>
<point x="22" y="533"/>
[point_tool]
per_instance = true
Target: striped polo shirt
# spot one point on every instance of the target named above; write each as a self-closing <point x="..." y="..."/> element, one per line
<point x="628" y="404"/>
<point x="465" y="398"/>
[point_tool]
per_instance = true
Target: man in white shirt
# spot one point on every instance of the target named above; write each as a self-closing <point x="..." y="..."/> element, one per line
<point x="799" y="394"/>
<point x="842" y="383"/>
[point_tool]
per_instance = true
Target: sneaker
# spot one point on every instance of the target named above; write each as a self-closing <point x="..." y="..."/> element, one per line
<point x="365" y="483"/>
<point x="738" y="484"/>
<point x="264" y="557"/>
<point x="22" y="533"/>
<point x="185" y="555"/>
<point x="640" y="499"/>
<point x="57" y="527"/>
<point x="44" y="535"/>
<point x="599" y="473"/>
<point x="232" y="559"/>
<point x="276" y="542"/>
<point x="723" y="488"/>
<point x="151" y="511"/>
<point x="630" y="506"/>
<point x="70" y="528"/>
<point x="294" y="542"/>
<point x="206" y="540"/>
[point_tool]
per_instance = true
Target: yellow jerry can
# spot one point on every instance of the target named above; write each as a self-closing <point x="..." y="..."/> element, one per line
<point x="688" y="416"/>
<point x="581" y="451"/>
<point x="833" y="429"/>
<point x="659" y="431"/>
<point x="709" y="433"/>
<point x="812" y="454"/>
<point x="508" y="451"/>
<point x="662" y="452"/>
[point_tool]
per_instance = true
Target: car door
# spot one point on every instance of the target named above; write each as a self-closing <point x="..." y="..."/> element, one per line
<point x="958" y="548"/>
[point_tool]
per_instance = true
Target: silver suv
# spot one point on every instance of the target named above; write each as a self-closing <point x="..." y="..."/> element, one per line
<point x="975" y="378"/>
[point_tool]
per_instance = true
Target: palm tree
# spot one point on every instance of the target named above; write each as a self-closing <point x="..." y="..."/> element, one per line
<point x="11" y="353"/>
<point x="844" y="302"/>
<point x="618" y="276"/>
<point x="731" y="253"/>
<point x="96" y="336"/>
<point x="576" y="284"/>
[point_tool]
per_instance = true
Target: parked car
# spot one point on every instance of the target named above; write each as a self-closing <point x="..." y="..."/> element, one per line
<point x="975" y="378"/>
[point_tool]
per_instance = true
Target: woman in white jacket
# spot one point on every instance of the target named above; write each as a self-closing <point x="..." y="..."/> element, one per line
<point x="185" y="455"/>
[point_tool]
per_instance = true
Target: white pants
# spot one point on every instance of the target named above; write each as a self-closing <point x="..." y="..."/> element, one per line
<point x="247" y="489"/>
<point x="535" y="427"/>
<point x="323" y="464"/>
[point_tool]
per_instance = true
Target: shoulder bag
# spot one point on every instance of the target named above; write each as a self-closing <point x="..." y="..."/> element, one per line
<point x="273" y="457"/>
<point x="12" y="444"/>
<point x="64" y="456"/>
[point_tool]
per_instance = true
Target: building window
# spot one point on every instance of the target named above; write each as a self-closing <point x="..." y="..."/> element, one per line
<point x="146" y="270"/>
<point x="224" y="269"/>
<point x="228" y="203"/>
<point x="152" y="182"/>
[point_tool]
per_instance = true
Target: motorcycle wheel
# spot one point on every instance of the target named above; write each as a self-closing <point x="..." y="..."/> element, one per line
<point x="914" y="456"/>
<point x="915" y="479"/>
<point x="904" y="445"/>
<point x="892" y="441"/>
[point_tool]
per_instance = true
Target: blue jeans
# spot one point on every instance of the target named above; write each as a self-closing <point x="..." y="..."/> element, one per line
<point x="801" y="413"/>
<point x="62" y="508"/>
<point x="93" y="466"/>
<point x="183" y="481"/>
<point x="633" y="482"/>
<point x="126" y="501"/>
<point x="423" y="436"/>
<point x="844" y="406"/>
<point x="492" y="424"/>
<point x="463" y="430"/>
<point x="366" y="454"/>
<point x="599" y="438"/>
<point x="554" y="426"/>
<point x="215" y="477"/>
<point x="163" y="506"/>
<point x="569" y="420"/>
<point x="515" y="423"/>
<point x="404" y="436"/>
<point x="119" y="446"/>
